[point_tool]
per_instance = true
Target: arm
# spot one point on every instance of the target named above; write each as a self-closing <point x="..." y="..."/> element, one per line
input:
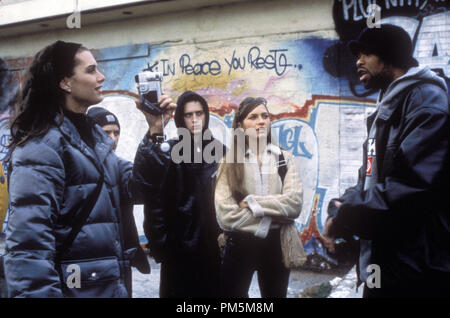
<point x="36" y="186"/>
<point x="150" y="172"/>
<point x="415" y="181"/>
<point x="286" y="205"/>
<point x="150" y="163"/>
<point x="343" y="231"/>
<point x="125" y="180"/>
<point x="232" y="216"/>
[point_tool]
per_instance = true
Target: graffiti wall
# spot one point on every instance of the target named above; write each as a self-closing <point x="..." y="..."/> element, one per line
<point x="318" y="107"/>
<point x="312" y="118"/>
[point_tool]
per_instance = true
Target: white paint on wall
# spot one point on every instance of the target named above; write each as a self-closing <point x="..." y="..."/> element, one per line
<point x="210" y="24"/>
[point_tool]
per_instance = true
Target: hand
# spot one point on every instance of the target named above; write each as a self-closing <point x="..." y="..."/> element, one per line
<point x="222" y="240"/>
<point x="243" y="204"/>
<point x="329" y="240"/>
<point x="155" y="122"/>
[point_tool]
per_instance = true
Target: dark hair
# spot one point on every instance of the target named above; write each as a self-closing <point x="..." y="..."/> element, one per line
<point x="185" y="98"/>
<point x="41" y="97"/>
<point x="235" y="170"/>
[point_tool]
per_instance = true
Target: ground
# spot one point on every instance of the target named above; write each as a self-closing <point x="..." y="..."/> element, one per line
<point x="336" y="283"/>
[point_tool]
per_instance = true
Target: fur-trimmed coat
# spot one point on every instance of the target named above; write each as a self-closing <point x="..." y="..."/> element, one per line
<point x="270" y="200"/>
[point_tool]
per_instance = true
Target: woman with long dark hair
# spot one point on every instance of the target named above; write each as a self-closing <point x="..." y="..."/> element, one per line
<point x="257" y="192"/>
<point x="65" y="235"/>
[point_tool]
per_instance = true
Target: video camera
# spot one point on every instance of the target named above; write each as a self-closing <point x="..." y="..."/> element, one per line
<point x="149" y="87"/>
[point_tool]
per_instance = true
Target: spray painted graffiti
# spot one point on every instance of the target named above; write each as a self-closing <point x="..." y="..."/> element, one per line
<point x="303" y="99"/>
<point x="275" y="59"/>
<point x="426" y="22"/>
<point x="8" y="94"/>
<point x="317" y="104"/>
<point x="309" y="132"/>
<point x="357" y="9"/>
<point x="4" y="136"/>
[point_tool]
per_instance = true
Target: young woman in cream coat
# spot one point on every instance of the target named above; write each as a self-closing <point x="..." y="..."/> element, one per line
<point x="253" y="203"/>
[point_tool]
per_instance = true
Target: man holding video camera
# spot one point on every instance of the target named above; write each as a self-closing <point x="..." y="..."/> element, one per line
<point x="180" y="222"/>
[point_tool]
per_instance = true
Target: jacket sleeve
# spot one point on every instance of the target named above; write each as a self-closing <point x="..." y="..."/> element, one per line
<point x="343" y="231"/>
<point x="230" y="216"/>
<point x="126" y="181"/>
<point x="150" y="170"/>
<point x="257" y="220"/>
<point x="416" y="179"/>
<point x="36" y="186"/>
<point x="288" y="204"/>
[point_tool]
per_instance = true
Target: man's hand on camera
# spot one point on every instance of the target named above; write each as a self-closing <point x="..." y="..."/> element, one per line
<point x="155" y="122"/>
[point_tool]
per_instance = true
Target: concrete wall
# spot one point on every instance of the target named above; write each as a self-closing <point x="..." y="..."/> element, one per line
<point x="290" y="52"/>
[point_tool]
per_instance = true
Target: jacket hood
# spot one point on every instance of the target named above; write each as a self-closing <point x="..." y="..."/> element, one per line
<point x="185" y="98"/>
<point x="410" y="78"/>
<point x="387" y="100"/>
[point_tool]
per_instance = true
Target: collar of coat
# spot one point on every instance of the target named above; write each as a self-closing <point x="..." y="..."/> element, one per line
<point x="270" y="148"/>
<point x="103" y="144"/>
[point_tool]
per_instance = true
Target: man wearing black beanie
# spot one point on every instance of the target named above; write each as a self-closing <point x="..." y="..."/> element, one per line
<point x="110" y="125"/>
<point x="108" y="121"/>
<point x="399" y="208"/>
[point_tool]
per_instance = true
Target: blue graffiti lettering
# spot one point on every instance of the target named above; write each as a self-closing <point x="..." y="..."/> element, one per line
<point x="359" y="7"/>
<point x="166" y="67"/>
<point x="273" y="61"/>
<point x="228" y="120"/>
<point x="4" y="141"/>
<point x="212" y="67"/>
<point x="290" y="140"/>
<point x="235" y="63"/>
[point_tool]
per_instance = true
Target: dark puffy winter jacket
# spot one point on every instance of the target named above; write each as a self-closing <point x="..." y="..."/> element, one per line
<point x="179" y="206"/>
<point x="405" y="216"/>
<point x="50" y="178"/>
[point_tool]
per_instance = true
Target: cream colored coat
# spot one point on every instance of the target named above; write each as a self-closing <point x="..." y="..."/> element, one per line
<point x="270" y="202"/>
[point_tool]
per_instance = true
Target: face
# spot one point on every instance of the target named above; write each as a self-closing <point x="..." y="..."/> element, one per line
<point x="373" y="72"/>
<point x="113" y="131"/>
<point x="194" y="117"/>
<point x="84" y="86"/>
<point x="258" y="121"/>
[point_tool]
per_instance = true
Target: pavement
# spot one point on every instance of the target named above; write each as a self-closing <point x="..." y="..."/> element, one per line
<point x="339" y="282"/>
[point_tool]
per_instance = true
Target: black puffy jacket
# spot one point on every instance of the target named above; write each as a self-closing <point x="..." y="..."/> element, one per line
<point x="179" y="209"/>
<point x="405" y="217"/>
<point x="50" y="178"/>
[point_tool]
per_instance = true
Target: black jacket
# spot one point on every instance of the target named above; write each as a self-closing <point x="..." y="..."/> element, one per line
<point x="179" y="208"/>
<point x="406" y="214"/>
